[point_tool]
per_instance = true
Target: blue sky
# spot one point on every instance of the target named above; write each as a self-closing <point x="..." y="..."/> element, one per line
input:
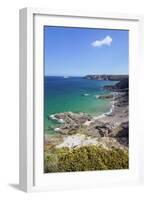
<point x="81" y="51"/>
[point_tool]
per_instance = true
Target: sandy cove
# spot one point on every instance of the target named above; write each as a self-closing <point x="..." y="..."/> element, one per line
<point x="80" y="129"/>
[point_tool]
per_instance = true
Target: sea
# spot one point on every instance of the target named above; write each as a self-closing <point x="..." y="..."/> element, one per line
<point x="75" y="94"/>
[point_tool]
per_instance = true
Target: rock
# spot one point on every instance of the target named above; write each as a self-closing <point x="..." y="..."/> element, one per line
<point x="73" y="118"/>
<point x="99" y="129"/>
<point x="106" y="77"/>
<point x="51" y="141"/>
<point x="121" y="131"/>
<point x="106" y="96"/>
<point x="109" y="143"/>
<point x="77" y="140"/>
<point x="122" y="85"/>
<point x="68" y="129"/>
<point x="121" y="100"/>
<point x="71" y="122"/>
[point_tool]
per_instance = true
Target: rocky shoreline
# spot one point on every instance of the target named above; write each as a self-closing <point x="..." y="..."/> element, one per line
<point x="106" y="77"/>
<point x="109" y="130"/>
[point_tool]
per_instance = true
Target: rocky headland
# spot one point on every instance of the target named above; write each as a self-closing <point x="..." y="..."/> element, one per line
<point x="108" y="130"/>
<point x="84" y="143"/>
<point x="106" y="77"/>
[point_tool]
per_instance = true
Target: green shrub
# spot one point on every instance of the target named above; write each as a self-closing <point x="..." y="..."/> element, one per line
<point x="85" y="158"/>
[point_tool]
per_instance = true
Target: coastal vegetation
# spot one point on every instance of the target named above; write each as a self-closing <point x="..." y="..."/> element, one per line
<point x="86" y="158"/>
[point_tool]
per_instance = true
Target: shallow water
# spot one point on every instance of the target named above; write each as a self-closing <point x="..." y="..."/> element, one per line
<point x="73" y="94"/>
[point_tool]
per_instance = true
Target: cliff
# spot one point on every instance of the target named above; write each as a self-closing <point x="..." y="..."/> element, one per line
<point x="121" y="85"/>
<point x="106" y="77"/>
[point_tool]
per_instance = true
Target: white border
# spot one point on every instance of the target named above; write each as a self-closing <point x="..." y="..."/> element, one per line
<point x="31" y="134"/>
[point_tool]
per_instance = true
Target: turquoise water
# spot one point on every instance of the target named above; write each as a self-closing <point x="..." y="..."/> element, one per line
<point x="67" y="94"/>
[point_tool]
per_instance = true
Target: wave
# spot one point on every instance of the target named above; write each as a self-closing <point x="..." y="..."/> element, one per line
<point x="107" y="113"/>
<point x="55" y="118"/>
<point x="86" y="94"/>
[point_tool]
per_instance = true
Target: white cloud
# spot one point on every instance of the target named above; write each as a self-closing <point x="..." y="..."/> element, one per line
<point x="106" y="41"/>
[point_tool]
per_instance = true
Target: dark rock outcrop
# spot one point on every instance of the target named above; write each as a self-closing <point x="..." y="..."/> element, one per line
<point x="106" y="77"/>
<point x="120" y="131"/>
<point x="121" y="92"/>
<point x="122" y="85"/>
<point x="99" y="129"/>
